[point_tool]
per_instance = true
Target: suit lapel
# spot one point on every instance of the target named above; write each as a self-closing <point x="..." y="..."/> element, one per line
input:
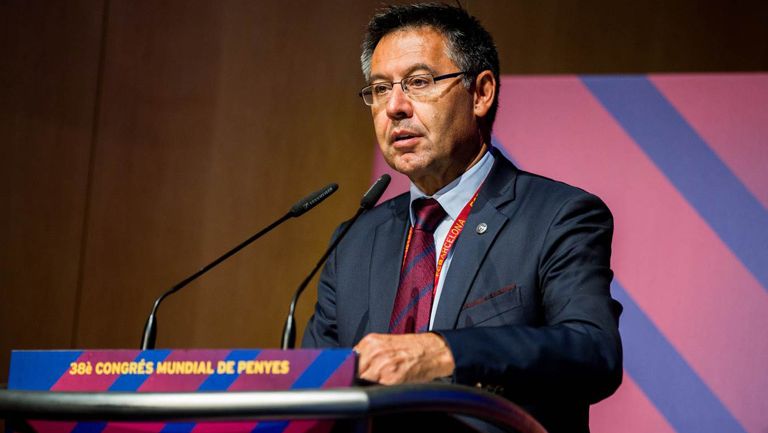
<point x="472" y="247"/>
<point x="388" y="245"/>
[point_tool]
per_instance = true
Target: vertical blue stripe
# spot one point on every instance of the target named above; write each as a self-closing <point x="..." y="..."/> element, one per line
<point x="127" y="382"/>
<point x="222" y="382"/>
<point x="314" y="376"/>
<point x="664" y="376"/>
<point x="681" y="154"/>
<point x="214" y="382"/>
<point x="37" y="370"/>
<point x="321" y="369"/>
<point x="132" y="382"/>
<point x="270" y="427"/>
<point x="89" y="427"/>
<point x="178" y="427"/>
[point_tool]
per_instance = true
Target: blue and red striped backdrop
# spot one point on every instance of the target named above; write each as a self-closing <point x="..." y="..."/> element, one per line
<point x="682" y="161"/>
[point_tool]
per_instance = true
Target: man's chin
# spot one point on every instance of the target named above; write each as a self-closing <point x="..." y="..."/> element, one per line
<point x="408" y="164"/>
<point x="413" y="171"/>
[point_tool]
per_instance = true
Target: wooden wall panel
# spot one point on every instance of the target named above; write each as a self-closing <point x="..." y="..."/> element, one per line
<point x="212" y="118"/>
<point x="215" y="118"/>
<point x="48" y="82"/>
<point x="598" y="37"/>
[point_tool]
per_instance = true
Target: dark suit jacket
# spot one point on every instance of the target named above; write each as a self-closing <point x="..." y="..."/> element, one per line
<point x="525" y="307"/>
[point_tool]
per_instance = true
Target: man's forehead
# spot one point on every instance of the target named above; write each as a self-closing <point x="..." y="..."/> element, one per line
<point x="407" y="51"/>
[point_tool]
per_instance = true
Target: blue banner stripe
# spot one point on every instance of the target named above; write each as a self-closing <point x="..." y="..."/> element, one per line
<point x="89" y="427"/>
<point x="222" y="382"/>
<point x="126" y="382"/>
<point x="214" y="382"/>
<point x="178" y="427"/>
<point x="321" y="369"/>
<point x="32" y="372"/>
<point x="270" y="427"/>
<point x="681" y="154"/>
<point x="132" y="382"/>
<point x="666" y="378"/>
<point x="313" y="377"/>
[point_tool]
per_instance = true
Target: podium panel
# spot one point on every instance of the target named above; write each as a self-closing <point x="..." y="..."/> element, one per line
<point x="181" y="370"/>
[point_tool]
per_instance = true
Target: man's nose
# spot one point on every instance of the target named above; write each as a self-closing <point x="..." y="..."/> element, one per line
<point x="399" y="104"/>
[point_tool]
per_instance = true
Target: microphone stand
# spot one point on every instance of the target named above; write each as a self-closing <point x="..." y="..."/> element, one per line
<point x="368" y="201"/>
<point x="149" y="335"/>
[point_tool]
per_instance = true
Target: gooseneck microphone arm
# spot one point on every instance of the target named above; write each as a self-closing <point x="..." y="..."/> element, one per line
<point x="368" y="201"/>
<point x="150" y="328"/>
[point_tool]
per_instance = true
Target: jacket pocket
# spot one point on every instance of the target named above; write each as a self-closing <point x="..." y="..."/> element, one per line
<point x="491" y="305"/>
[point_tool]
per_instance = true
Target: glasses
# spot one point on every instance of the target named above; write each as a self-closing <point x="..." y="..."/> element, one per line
<point x="414" y="85"/>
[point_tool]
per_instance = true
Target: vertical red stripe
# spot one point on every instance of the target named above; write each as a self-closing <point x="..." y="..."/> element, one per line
<point x="256" y="382"/>
<point x="182" y="382"/>
<point x="93" y="381"/>
<point x="730" y="113"/>
<point x="225" y="427"/>
<point x="627" y="411"/>
<point x="133" y="427"/>
<point x="52" y="426"/>
<point x="691" y="285"/>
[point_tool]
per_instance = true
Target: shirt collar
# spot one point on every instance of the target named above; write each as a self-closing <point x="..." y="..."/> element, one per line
<point x="454" y="196"/>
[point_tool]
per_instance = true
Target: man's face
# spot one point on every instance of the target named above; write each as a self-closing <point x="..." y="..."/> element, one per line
<point x="430" y="139"/>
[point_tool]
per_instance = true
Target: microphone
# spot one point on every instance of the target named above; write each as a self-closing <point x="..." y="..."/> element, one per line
<point x="150" y="328"/>
<point x="368" y="201"/>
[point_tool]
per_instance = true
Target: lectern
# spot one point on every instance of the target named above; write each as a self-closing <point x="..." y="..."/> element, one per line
<point x="221" y="391"/>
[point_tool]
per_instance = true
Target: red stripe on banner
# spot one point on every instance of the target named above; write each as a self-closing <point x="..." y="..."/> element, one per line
<point x="159" y="382"/>
<point x="612" y="415"/>
<point x="93" y="381"/>
<point x="309" y="426"/>
<point x="133" y="427"/>
<point x="182" y="382"/>
<point x="257" y="382"/>
<point x="691" y="285"/>
<point x="729" y="113"/>
<point x="52" y="426"/>
<point x="340" y="377"/>
<point x="224" y="427"/>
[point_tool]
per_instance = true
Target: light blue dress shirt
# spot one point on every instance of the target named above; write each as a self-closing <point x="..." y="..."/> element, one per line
<point x="453" y="197"/>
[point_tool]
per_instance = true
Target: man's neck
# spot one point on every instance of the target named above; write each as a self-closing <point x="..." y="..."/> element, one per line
<point x="431" y="184"/>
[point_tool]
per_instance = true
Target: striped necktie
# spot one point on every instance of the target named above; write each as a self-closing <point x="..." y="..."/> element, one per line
<point x="415" y="293"/>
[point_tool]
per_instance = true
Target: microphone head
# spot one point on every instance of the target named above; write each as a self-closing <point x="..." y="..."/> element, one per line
<point x="372" y="196"/>
<point x="312" y="200"/>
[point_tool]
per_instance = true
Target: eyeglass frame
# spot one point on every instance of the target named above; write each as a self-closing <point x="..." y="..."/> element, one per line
<point x="435" y="79"/>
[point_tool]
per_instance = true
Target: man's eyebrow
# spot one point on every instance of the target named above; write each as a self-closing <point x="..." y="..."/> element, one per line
<point x="413" y="68"/>
<point x="419" y="67"/>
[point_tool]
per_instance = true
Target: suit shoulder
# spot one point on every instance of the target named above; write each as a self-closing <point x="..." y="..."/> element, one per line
<point x="531" y="185"/>
<point x="381" y="213"/>
<point x="385" y="210"/>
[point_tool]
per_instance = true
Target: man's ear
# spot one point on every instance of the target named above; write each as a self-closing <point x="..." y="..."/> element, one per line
<point x="485" y="91"/>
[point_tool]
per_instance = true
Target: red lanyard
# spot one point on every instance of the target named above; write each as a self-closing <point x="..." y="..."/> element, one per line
<point x="450" y="238"/>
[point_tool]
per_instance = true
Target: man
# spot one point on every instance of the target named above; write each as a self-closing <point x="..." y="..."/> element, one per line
<point x="483" y="273"/>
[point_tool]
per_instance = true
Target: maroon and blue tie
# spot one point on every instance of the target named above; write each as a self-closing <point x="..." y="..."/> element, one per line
<point x="415" y="293"/>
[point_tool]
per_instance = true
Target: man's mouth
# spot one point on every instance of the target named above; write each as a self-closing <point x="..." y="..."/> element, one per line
<point x="404" y="138"/>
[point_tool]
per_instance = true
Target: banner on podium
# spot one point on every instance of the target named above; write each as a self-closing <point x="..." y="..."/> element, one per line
<point x="181" y="370"/>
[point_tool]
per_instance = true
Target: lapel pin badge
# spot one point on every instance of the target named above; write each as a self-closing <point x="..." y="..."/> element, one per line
<point x="481" y="228"/>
